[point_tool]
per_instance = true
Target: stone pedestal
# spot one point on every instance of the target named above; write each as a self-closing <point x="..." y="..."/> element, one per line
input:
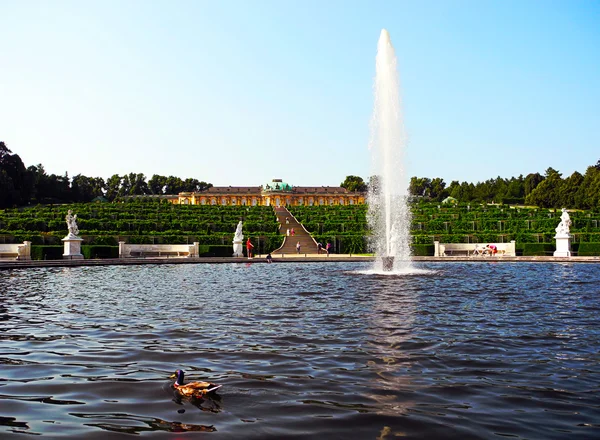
<point x="238" y="249"/>
<point x="72" y="248"/>
<point x="563" y="245"/>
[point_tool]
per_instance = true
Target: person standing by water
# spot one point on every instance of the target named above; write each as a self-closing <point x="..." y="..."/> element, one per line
<point x="298" y="247"/>
<point x="328" y="247"/>
<point x="319" y="247"/>
<point x="249" y="247"/>
<point x="269" y="258"/>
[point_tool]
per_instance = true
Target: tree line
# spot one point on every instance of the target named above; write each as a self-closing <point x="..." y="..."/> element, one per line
<point x="551" y="190"/>
<point x="22" y="186"/>
<point x="577" y="191"/>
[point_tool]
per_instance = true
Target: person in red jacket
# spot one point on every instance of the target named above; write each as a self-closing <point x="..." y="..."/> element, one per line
<point x="249" y="247"/>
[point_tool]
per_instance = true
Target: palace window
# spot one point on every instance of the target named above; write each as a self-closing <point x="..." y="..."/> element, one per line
<point x="213" y="201"/>
<point x="300" y="201"/>
<point x="243" y="201"/>
<point x="203" y="201"/>
<point x="253" y="201"/>
<point x="352" y="201"/>
<point x="321" y="201"/>
<point x="223" y="201"/>
<point x="233" y="201"/>
<point x="341" y="200"/>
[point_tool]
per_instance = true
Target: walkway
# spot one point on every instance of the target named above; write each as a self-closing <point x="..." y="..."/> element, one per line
<point x="307" y="243"/>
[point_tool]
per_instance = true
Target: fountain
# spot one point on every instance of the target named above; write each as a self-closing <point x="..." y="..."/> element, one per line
<point x="389" y="214"/>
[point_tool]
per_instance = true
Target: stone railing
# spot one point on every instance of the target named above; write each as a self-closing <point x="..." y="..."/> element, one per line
<point x="18" y="251"/>
<point x="472" y="249"/>
<point x="158" y="250"/>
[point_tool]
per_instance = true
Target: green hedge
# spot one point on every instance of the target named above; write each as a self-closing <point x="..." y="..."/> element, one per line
<point x="589" y="249"/>
<point x="422" y="250"/>
<point x="538" y="249"/>
<point x="47" y="252"/>
<point x="91" y="251"/>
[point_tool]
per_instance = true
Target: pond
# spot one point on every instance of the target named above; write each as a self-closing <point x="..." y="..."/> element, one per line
<point x="307" y="350"/>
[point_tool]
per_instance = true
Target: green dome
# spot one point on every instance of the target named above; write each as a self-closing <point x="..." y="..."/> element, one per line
<point x="277" y="185"/>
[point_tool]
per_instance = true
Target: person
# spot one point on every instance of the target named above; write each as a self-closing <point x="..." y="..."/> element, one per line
<point x="328" y="247"/>
<point x="319" y="247"/>
<point x="298" y="247"/>
<point x="493" y="249"/>
<point x="287" y="221"/>
<point x="269" y="258"/>
<point x="249" y="247"/>
<point x="292" y="232"/>
<point x="477" y="251"/>
<point x="287" y="232"/>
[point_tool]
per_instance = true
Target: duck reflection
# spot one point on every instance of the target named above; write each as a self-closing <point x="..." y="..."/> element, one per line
<point x="208" y="403"/>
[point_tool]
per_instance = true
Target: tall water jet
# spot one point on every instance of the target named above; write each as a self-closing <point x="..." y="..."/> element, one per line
<point x="389" y="214"/>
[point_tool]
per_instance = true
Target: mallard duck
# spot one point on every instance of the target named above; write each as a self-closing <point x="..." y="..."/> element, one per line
<point x="192" y="388"/>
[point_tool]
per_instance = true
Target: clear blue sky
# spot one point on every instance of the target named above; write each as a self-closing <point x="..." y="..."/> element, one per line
<point x="239" y="92"/>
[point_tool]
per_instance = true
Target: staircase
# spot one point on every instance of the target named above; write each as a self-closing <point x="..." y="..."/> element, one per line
<point x="307" y="243"/>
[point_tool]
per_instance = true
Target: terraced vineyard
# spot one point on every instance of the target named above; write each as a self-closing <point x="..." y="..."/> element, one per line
<point x="142" y="222"/>
<point x="345" y="227"/>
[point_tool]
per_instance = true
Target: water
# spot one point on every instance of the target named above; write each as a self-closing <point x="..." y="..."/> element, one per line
<point x="306" y="351"/>
<point x="389" y="215"/>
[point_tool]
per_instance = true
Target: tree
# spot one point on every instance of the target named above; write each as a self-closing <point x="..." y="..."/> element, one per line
<point x="546" y="194"/>
<point x="113" y="186"/>
<point x="419" y="186"/>
<point x="16" y="183"/>
<point x="531" y="182"/>
<point x="354" y="183"/>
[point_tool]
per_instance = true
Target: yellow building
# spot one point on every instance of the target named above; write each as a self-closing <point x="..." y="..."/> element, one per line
<point x="275" y="193"/>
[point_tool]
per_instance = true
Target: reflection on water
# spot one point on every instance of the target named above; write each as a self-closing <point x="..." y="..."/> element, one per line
<point x="457" y="350"/>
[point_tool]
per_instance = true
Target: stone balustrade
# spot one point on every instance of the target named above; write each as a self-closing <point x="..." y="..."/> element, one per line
<point x="468" y="249"/>
<point x="17" y="251"/>
<point x="158" y="250"/>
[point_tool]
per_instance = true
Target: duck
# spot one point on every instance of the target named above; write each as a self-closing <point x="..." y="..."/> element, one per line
<point x="192" y="389"/>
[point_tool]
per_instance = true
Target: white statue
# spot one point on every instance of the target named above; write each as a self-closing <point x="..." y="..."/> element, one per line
<point x="238" y="250"/>
<point x="563" y="227"/>
<point x="72" y="224"/>
<point x="238" y="233"/>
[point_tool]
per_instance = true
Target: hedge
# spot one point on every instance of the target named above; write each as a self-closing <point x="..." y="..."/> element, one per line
<point x="47" y="252"/>
<point x="589" y="249"/>
<point x="92" y="251"/>
<point x="538" y="249"/>
<point x="422" y="250"/>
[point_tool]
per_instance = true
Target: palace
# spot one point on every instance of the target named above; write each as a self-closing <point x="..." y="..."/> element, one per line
<point x="275" y="193"/>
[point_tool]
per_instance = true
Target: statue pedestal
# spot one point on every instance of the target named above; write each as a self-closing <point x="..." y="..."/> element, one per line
<point x="238" y="249"/>
<point x="563" y="245"/>
<point x="72" y="248"/>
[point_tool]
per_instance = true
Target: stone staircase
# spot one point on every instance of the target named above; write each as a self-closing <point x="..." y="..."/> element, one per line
<point x="307" y="243"/>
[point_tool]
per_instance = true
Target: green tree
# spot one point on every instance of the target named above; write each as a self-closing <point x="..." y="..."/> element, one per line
<point x="354" y="183"/>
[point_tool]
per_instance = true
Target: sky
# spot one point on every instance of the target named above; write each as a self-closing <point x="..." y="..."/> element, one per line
<point x="241" y="92"/>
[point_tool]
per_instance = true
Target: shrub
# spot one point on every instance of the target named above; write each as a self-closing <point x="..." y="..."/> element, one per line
<point x="538" y="249"/>
<point x="91" y="251"/>
<point x="47" y="252"/>
<point x="422" y="250"/>
<point x="589" y="249"/>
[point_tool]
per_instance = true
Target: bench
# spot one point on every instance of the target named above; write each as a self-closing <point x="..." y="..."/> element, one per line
<point x="472" y="249"/>
<point x="17" y="251"/>
<point x="157" y="250"/>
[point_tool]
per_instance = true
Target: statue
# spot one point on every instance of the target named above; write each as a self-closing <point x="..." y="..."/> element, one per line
<point x="72" y="224"/>
<point x="238" y="233"/>
<point x="563" y="227"/>
<point x="237" y="241"/>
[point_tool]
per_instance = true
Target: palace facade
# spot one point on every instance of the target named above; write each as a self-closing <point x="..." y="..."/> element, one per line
<point x="275" y="193"/>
